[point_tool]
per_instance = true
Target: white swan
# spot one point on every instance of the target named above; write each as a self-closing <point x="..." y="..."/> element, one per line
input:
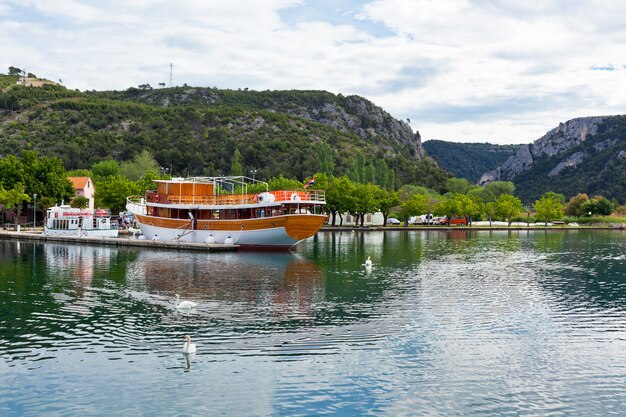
<point x="189" y="347"/>
<point x="368" y="263"/>
<point x="184" y="305"/>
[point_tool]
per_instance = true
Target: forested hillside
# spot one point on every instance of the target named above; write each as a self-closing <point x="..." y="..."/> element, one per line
<point x="198" y="131"/>
<point x="468" y="160"/>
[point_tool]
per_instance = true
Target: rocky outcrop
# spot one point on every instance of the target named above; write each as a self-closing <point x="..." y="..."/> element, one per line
<point x="357" y="115"/>
<point x="560" y="139"/>
<point x="571" y="162"/>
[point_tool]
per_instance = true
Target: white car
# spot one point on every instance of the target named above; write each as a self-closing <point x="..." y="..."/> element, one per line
<point x="393" y="221"/>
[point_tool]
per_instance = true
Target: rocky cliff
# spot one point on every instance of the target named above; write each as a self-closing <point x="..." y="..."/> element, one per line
<point x="560" y="139"/>
<point x="581" y="155"/>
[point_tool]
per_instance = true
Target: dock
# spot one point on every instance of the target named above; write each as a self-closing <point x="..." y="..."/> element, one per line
<point x="118" y="241"/>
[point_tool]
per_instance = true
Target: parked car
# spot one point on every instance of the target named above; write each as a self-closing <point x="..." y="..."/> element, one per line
<point x="393" y="221"/>
<point x="458" y="221"/>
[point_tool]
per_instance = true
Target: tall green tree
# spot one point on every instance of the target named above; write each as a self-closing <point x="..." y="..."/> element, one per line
<point x="459" y="185"/>
<point x="549" y="206"/>
<point x="385" y="200"/>
<point x="363" y="201"/>
<point x="103" y="169"/>
<point x="236" y="164"/>
<point x="141" y="164"/>
<point x="13" y="199"/>
<point x="508" y="206"/>
<point x="339" y="198"/>
<point x="498" y="188"/>
<point x="325" y="158"/>
<point x="113" y="191"/>
<point x="597" y="206"/>
<point x="413" y="206"/>
<point x="491" y="211"/>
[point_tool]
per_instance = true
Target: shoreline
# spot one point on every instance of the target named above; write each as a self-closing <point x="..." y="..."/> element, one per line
<point x="123" y="240"/>
<point x="621" y="226"/>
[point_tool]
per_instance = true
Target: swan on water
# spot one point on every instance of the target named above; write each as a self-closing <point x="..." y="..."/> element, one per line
<point x="189" y="347"/>
<point x="184" y="305"/>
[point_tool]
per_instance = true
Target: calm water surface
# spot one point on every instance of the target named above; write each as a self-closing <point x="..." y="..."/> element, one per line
<point x="521" y="323"/>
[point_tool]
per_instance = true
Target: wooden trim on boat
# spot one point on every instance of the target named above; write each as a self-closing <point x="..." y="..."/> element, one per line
<point x="297" y="226"/>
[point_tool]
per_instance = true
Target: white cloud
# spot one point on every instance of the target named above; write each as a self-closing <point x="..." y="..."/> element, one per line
<point x="496" y="70"/>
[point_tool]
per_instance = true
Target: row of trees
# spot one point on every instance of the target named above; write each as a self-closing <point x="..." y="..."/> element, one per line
<point x="30" y="177"/>
<point x="23" y="177"/>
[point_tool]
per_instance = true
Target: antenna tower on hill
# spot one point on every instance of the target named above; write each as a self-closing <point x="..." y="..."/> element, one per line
<point x="171" y="71"/>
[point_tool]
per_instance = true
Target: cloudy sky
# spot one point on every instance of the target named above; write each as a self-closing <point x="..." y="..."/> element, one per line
<point x="502" y="71"/>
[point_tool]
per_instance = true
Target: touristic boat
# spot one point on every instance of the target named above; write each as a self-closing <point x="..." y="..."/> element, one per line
<point x="64" y="220"/>
<point x="224" y="210"/>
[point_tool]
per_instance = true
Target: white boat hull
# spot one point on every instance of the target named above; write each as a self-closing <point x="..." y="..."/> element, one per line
<point x="266" y="238"/>
<point x="79" y="232"/>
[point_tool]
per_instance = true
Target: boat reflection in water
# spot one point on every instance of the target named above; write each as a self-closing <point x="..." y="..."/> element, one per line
<point x="278" y="280"/>
<point x="285" y="281"/>
<point x="77" y="262"/>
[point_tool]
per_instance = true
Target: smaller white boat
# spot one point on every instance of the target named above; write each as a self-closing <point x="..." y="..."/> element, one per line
<point x="64" y="220"/>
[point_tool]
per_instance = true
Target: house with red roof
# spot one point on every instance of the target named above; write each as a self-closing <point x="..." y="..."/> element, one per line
<point x="84" y="187"/>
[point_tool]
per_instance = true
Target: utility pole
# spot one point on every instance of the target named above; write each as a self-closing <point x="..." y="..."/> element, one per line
<point x="34" y="211"/>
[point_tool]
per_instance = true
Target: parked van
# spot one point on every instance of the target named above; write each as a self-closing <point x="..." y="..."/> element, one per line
<point x="458" y="221"/>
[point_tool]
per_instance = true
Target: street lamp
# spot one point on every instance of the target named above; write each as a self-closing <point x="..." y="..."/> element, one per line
<point x="34" y="210"/>
<point x="253" y="172"/>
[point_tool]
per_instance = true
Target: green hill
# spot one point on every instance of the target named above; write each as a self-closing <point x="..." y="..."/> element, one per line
<point x="468" y="160"/>
<point x="195" y="131"/>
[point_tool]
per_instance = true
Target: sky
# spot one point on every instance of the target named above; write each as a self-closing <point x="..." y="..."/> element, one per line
<point x="498" y="71"/>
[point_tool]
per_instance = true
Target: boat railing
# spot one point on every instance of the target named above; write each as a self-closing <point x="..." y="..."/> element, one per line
<point x="279" y="196"/>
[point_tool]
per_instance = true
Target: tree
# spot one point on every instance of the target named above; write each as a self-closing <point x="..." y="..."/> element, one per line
<point x="415" y="205"/>
<point x="497" y="188"/>
<point x="103" y="169"/>
<point x="141" y="164"/>
<point x="597" y="206"/>
<point x="573" y="205"/>
<point x="13" y="199"/>
<point x="79" y="202"/>
<point x="112" y="193"/>
<point x="483" y="194"/>
<point x="508" y="206"/>
<point x="491" y="210"/>
<point x="363" y="201"/>
<point x="325" y="157"/>
<point x="384" y="200"/>
<point x="282" y="183"/>
<point x="14" y="71"/>
<point x="459" y="185"/>
<point x="549" y="206"/>
<point x="44" y="176"/>
<point x="458" y="205"/>
<point x="339" y="197"/>
<point x="236" y="166"/>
